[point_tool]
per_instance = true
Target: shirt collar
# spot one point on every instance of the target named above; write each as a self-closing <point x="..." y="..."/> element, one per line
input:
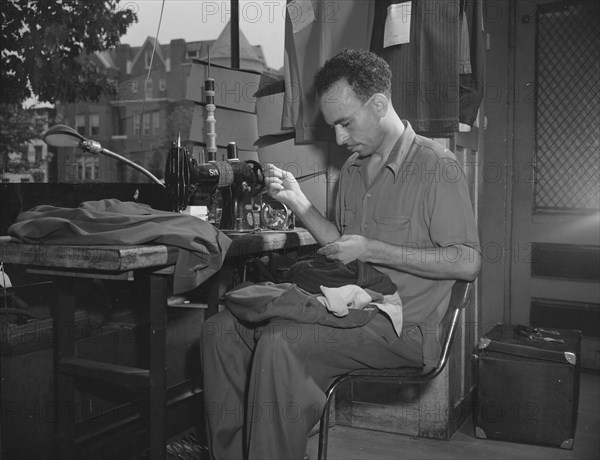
<point x="399" y="151"/>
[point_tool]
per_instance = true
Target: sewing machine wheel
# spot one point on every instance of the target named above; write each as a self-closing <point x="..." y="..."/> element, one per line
<point x="275" y="215"/>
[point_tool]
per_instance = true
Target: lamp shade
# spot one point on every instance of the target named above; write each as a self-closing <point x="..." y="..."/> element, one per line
<point x="62" y="136"/>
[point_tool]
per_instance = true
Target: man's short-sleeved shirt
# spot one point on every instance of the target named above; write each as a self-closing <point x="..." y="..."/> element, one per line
<point x="419" y="200"/>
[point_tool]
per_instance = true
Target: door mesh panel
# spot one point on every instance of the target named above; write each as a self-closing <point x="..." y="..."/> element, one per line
<point x="567" y="158"/>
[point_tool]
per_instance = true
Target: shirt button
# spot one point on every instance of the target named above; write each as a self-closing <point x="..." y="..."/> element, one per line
<point x="369" y="195"/>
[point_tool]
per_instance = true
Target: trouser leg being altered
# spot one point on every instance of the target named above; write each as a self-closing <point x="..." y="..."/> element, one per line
<point x="264" y="388"/>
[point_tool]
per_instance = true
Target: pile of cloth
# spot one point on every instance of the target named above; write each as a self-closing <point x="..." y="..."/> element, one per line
<point x="318" y="290"/>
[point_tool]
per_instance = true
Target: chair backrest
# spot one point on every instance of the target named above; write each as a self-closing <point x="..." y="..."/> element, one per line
<point x="459" y="300"/>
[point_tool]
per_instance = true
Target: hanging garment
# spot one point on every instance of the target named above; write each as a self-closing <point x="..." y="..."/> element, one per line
<point x="308" y="44"/>
<point x="425" y="82"/>
<point x="472" y="63"/>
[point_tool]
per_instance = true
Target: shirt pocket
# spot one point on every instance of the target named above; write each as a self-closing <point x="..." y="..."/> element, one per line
<point x="395" y="230"/>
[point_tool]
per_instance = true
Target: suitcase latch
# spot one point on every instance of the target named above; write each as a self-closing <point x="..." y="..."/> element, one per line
<point x="484" y="342"/>
<point x="571" y="357"/>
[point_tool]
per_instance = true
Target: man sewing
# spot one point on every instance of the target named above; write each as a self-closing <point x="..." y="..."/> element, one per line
<point x="403" y="208"/>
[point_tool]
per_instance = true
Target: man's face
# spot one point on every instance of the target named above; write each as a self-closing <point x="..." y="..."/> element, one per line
<point x="356" y="124"/>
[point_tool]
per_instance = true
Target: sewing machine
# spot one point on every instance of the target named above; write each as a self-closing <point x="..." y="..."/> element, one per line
<point x="228" y="188"/>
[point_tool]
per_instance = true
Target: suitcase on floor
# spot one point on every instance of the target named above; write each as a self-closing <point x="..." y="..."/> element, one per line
<point x="528" y="385"/>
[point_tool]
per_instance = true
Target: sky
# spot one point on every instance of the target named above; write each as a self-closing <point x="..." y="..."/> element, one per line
<point x="261" y="22"/>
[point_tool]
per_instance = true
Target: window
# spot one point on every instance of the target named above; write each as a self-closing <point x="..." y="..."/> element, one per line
<point x="91" y="168"/>
<point x="155" y="122"/>
<point x="73" y="168"/>
<point x="118" y="121"/>
<point x="146" y="123"/>
<point x="149" y="88"/>
<point x="80" y="124"/>
<point x="124" y="88"/>
<point x="84" y="168"/>
<point x="94" y="124"/>
<point x="136" y="124"/>
<point x="38" y="153"/>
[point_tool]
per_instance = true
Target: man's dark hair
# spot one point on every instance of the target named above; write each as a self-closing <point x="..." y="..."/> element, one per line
<point x="365" y="72"/>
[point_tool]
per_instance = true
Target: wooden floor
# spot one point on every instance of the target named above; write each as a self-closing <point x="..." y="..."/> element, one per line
<point x="352" y="443"/>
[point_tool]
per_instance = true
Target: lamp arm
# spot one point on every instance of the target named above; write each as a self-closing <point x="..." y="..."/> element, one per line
<point x="95" y="147"/>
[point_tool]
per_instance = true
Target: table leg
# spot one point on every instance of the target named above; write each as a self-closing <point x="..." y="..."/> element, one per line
<point x="158" y="291"/>
<point x="64" y="339"/>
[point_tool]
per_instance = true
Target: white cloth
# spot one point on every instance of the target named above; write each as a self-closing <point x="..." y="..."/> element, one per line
<point x="341" y="299"/>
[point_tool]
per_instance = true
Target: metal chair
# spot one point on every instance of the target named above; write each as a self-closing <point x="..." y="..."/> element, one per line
<point x="460" y="298"/>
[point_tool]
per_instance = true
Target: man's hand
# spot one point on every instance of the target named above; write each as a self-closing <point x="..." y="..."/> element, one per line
<point x="345" y="249"/>
<point x="282" y="185"/>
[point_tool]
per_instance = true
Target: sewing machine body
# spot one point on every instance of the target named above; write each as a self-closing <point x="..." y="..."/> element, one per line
<point x="232" y="190"/>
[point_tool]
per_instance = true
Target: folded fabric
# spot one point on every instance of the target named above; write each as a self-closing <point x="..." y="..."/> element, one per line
<point x="257" y="304"/>
<point x="111" y="221"/>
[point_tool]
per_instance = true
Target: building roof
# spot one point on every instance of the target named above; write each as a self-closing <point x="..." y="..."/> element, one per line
<point x="221" y="48"/>
<point x="153" y="44"/>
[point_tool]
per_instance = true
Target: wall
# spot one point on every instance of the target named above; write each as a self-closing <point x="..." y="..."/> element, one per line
<point x="495" y="220"/>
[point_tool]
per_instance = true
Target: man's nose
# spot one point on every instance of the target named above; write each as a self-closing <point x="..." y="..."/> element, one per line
<point x="340" y="135"/>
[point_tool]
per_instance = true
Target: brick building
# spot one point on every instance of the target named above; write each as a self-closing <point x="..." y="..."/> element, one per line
<point x="147" y="110"/>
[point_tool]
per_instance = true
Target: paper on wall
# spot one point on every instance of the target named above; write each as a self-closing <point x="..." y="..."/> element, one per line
<point x="397" y="24"/>
<point x="301" y="14"/>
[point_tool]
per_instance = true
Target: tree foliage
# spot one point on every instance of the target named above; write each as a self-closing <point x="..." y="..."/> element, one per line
<point x="17" y="127"/>
<point x="46" y="47"/>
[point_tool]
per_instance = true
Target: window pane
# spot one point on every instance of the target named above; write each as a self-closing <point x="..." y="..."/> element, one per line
<point x="155" y="122"/>
<point x="80" y="124"/>
<point x="94" y="124"/>
<point x="146" y="123"/>
<point x="117" y="119"/>
<point x="136" y="124"/>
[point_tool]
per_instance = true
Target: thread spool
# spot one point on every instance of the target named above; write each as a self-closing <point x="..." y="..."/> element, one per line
<point x="232" y="153"/>
<point x="211" y="135"/>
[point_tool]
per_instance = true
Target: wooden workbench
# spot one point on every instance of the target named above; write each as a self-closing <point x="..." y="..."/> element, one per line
<point x="150" y="266"/>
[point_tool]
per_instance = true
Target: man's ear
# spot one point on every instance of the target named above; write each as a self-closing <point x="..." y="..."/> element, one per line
<point x="380" y="103"/>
